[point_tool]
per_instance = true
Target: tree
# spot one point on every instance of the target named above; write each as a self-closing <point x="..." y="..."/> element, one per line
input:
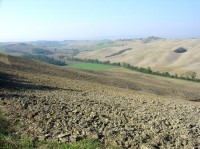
<point x="46" y="59"/>
<point x="106" y="62"/>
<point x="193" y="75"/>
<point x="118" y="64"/>
<point x="149" y="70"/>
<point x="180" y="50"/>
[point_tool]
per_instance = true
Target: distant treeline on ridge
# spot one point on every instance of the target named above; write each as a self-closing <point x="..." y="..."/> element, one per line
<point x="139" y="69"/>
<point x="46" y="59"/>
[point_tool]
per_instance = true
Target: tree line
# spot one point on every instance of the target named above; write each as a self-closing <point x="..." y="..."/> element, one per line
<point x="118" y="53"/>
<point x="46" y="59"/>
<point x="138" y="69"/>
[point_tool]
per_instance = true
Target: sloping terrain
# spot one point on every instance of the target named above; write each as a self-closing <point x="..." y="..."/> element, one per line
<point x="118" y="107"/>
<point x="157" y="54"/>
<point x="24" y="48"/>
<point x="76" y="44"/>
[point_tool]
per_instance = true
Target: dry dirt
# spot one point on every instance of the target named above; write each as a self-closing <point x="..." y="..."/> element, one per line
<point x="117" y="107"/>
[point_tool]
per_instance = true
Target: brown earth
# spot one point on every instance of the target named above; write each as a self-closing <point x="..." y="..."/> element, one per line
<point x="118" y="107"/>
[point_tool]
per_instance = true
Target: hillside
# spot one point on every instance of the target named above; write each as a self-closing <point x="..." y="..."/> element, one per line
<point x="24" y="48"/>
<point x="114" y="106"/>
<point x="155" y="53"/>
<point x="55" y="48"/>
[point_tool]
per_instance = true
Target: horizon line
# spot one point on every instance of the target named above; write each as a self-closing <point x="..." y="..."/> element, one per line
<point x="96" y="39"/>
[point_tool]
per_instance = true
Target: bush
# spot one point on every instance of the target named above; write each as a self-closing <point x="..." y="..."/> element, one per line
<point x="180" y="50"/>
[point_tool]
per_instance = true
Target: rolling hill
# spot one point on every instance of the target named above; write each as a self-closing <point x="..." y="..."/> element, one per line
<point x="159" y="54"/>
<point x="24" y="48"/>
<point x="55" y="48"/>
<point x="115" y="106"/>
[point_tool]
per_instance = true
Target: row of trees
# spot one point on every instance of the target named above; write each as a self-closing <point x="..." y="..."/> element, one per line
<point x="46" y="59"/>
<point x="139" y="69"/>
<point x="118" y="53"/>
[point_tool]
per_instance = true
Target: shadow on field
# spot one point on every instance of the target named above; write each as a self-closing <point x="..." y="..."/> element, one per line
<point x="11" y="82"/>
<point x="195" y="100"/>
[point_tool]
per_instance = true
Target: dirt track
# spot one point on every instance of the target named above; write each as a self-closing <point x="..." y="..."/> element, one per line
<point x="73" y="105"/>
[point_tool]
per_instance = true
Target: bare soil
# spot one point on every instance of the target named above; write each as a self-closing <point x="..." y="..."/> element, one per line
<point x="125" y="109"/>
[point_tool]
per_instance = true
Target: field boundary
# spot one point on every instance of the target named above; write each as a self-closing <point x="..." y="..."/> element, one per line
<point x="138" y="69"/>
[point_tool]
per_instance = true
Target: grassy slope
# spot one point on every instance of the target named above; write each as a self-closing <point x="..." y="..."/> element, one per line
<point x="91" y="66"/>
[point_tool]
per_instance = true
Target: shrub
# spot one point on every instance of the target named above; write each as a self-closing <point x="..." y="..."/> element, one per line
<point x="180" y="50"/>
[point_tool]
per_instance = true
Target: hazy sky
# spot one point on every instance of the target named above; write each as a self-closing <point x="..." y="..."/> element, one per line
<point x="23" y="20"/>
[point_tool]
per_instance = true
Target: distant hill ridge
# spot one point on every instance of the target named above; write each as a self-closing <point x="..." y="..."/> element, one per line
<point x="24" y="48"/>
<point x="157" y="53"/>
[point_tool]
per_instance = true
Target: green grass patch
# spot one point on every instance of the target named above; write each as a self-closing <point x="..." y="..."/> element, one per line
<point x="91" y="66"/>
<point x="84" y="144"/>
<point x="70" y="63"/>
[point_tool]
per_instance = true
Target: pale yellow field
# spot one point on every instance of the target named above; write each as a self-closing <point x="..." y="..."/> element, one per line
<point x="157" y="54"/>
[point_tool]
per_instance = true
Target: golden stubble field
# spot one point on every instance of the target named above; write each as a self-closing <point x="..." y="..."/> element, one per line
<point x="157" y="54"/>
<point x="118" y="107"/>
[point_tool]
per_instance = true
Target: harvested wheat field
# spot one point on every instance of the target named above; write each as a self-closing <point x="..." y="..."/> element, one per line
<point x="158" y="54"/>
<point x="114" y="106"/>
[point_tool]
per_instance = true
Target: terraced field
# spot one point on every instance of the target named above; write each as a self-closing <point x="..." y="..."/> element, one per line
<point x="114" y="106"/>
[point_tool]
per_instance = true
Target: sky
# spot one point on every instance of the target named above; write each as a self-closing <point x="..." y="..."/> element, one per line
<point x="28" y="20"/>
